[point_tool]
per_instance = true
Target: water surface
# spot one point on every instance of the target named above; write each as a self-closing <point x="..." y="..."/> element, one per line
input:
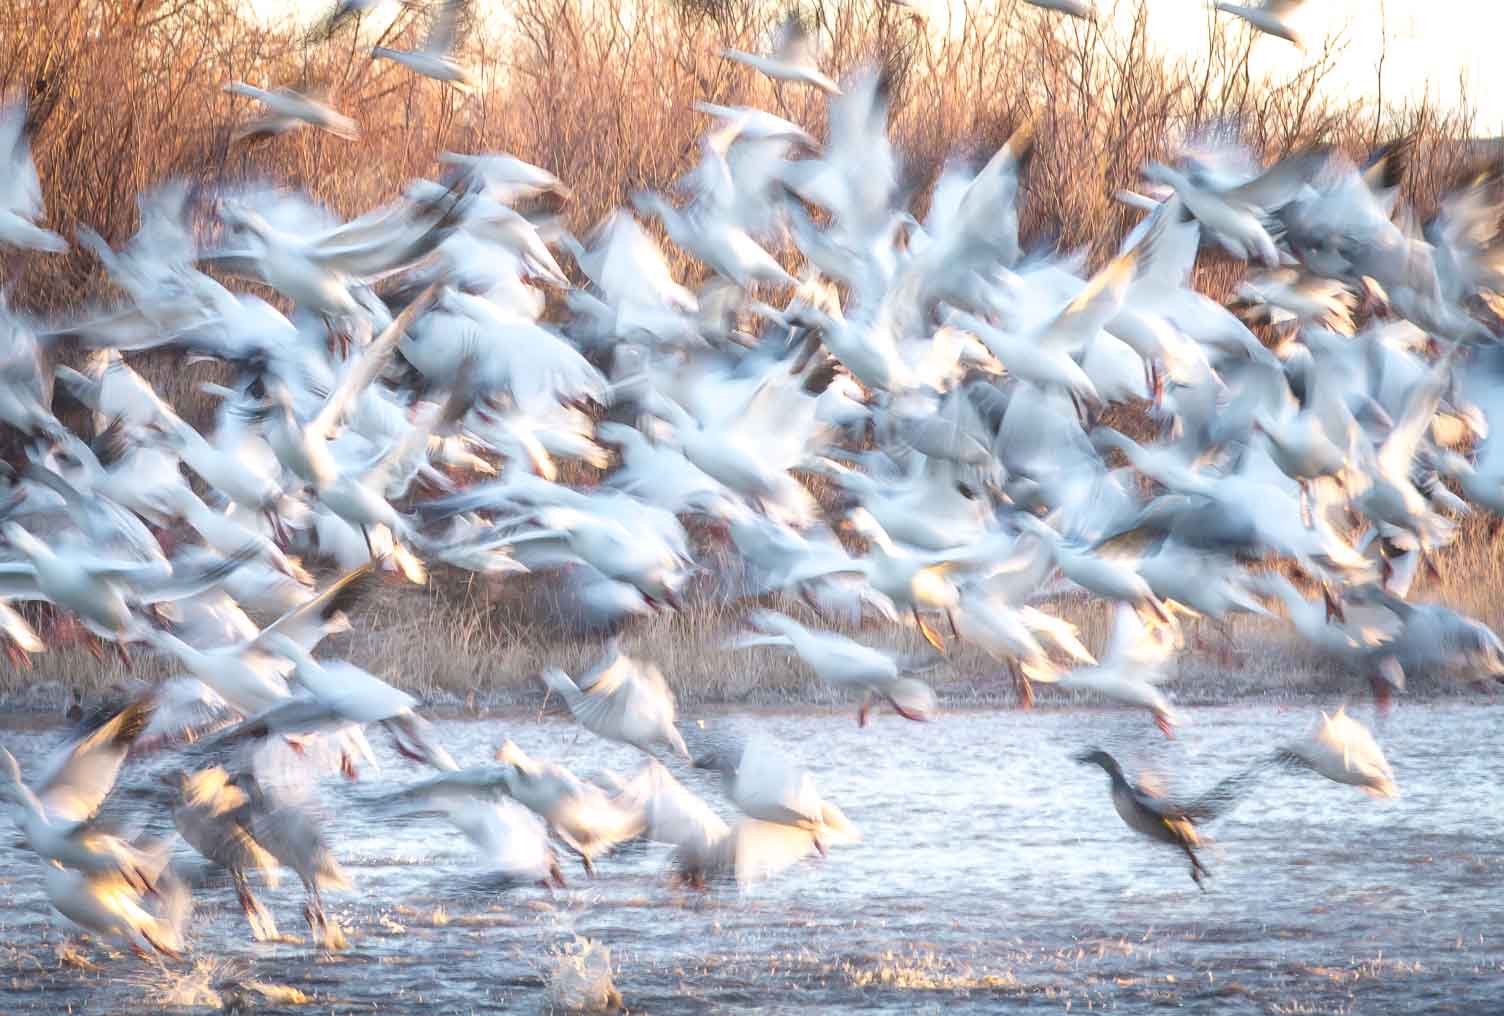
<point x="994" y="876"/>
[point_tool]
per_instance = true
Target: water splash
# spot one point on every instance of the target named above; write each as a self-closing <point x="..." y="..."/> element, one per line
<point x="581" y="979"/>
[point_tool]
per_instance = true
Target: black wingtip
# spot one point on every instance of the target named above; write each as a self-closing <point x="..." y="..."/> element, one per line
<point x="819" y="379"/>
<point x="349" y="591"/>
<point x="113" y="723"/>
<point x="1386" y="167"/>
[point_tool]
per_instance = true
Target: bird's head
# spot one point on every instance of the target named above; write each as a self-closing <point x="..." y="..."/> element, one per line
<point x="1096" y="756"/>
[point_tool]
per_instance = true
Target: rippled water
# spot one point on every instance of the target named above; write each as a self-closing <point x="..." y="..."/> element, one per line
<point x="994" y="877"/>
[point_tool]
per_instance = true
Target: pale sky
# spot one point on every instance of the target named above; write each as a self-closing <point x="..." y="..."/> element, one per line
<point x="1431" y="42"/>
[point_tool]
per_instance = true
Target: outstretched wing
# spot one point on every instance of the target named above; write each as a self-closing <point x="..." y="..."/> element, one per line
<point x="82" y="777"/>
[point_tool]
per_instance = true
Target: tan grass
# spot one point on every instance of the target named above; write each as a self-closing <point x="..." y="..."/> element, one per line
<point x="467" y="642"/>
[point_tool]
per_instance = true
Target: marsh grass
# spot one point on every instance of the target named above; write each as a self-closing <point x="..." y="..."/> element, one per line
<point x="468" y="643"/>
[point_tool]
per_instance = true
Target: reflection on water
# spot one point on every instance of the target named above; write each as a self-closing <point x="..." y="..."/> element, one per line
<point x="994" y="876"/>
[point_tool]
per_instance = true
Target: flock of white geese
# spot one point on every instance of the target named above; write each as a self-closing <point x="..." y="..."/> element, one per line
<point x="426" y="373"/>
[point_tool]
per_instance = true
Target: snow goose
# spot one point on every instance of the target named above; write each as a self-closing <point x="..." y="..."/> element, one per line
<point x="717" y="240"/>
<point x="621" y="699"/>
<point x="791" y="57"/>
<point x="581" y="815"/>
<point x="1135" y="661"/>
<point x="255" y="585"/>
<point x="1271" y="17"/>
<point x="674" y="814"/>
<point x="361" y="697"/>
<point x="288" y="110"/>
<point x="1391" y="497"/>
<point x="1103" y="568"/>
<point x="495" y="349"/>
<point x="922" y="507"/>
<point x="1434" y="638"/>
<point x="990" y="623"/>
<point x="111" y="907"/>
<point x="107" y="595"/>
<point x="242" y="470"/>
<point x="1082" y="9"/>
<point x="843" y="663"/>
<point x="213" y="817"/>
<point x="1344" y="751"/>
<point x="1205" y="583"/>
<point x="318" y="268"/>
<point x="1365" y="649"/>
<point x="251" y="675"/>
<point x="21" y="195"/>
<point x="505" y="177"/>
<point x="706" y="849"/>
<point x="1232" y="202"/>
<point x="1469" y="247"/>
<point x="510" y="840"/>
<point x="115" y="391"/>
<point x="1299" y="296"/>
<point x="768" y="786"/>
<point x="909" y="580"/>
<point x="26" y="395"/>
<point x="57" y="817"/>
<point x="435" y="59"/>
<point x="605" y="540"/>
<point x="221" y="533"/>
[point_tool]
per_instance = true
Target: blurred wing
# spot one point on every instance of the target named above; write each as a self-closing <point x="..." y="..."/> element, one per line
<point x="674" y="814"/>
<point x="306" y="623"/>
<point x="445" y="29"/>
<point x="1094" y="306"/>
<point x="183" y="583"/>
<point x="84" y="774"/>
<point x="1399" y="447"/>
<point x="371" y="364"/>
<point x="1279" y="184"/>
<point x="763" y="849"/>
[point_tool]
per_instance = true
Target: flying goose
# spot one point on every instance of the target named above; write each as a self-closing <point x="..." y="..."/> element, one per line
<point x="581" y="815"/>
<point x="706" y="848"/>
<point x="1234" y="208"/>
<point x="1270" y="17"/>
<point x="1149" y="815"/>
<point x="436" y="58"/>
<point x="57" y="817"/>
<point x="282" y="821"/>
<point x="212" y="815"/>
<point x="621" y="699"/>
<point x="361" y="697"/>
<point x="768" y="786"/>
<point x="843" y="663"/>
<point x="1344" y="751"/>
<point x="287" y="110"/>
<point x="1134" y="663"/>
<point x="21" y="194"/>
<point x="1082" y="9"/>
<point x="107" y="595"/>
<point x="112" y="907"/>
<point x="791" y="57"/>
<point x="251" y="675"/>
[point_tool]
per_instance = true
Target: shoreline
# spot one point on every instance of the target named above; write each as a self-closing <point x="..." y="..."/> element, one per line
<point x="526" y="701"/>
<point x="463" y="648"/>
